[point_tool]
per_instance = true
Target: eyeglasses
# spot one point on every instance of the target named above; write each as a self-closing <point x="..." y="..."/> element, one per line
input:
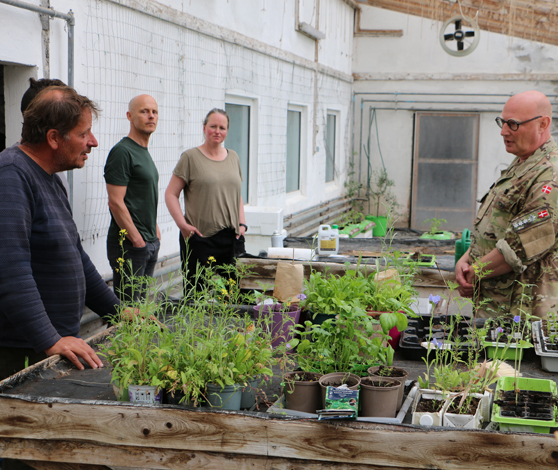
<point x="513" y="124"/>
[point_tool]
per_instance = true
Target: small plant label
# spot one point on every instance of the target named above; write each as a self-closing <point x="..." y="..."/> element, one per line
<point x="341" y="403"/>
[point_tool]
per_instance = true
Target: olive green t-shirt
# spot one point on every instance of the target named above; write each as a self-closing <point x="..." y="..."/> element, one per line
<point x="129" y="164"/>
<point x="212" y="192"/>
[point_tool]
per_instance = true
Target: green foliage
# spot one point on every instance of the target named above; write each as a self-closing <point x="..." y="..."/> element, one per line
<point x="351" y="340"/>
<point x="206" y="341"/>
<point x="353" y="187"/>
<point x="381" y="192"/>
<point x="435" y="224"/>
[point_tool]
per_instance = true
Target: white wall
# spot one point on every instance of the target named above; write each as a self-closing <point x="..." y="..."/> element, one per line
<point x="191" y="55"/>
<point x="418" y="51"/>
<point x="400" y="76"/>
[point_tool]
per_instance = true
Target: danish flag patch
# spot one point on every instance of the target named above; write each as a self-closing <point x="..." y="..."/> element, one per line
<point x="546" y="189"/>
<point x="543" y="214"/>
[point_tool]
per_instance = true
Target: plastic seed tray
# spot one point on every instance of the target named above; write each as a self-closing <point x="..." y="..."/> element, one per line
<point x="549" y="359"/>
<point x="533" y="398"/>
<point x="418" y="259"/>
<point x="426" y="328"/>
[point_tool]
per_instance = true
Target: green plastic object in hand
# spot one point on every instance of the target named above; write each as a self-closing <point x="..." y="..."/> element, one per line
<point x="461" y="246"/>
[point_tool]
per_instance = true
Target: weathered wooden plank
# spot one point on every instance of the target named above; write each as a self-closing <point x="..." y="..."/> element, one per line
<point x="263" y="273"/>
<point x="39" y="465"/>
<point x="433" y="278"/>
<point x="208" y="431"/>
<point x="93" y="457"/>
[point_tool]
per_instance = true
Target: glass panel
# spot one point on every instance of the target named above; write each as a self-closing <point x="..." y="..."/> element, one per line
<point x="456" y="192"/>
<point x="293" y="151"/>
<point x="445" y="170"/>
<point x="238" y="139"/>
<point x="447" y="137"/>
<point x="330" y="147"/>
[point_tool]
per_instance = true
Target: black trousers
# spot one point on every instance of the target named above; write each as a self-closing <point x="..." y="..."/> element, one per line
<point x="13" y="360"/>
<point x="196" y="251"/>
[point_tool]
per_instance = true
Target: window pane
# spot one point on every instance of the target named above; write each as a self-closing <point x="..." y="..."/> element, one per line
<point x="330" y="147"/>
<point x="445" y="169"/>
<point x="293" y="151"/>
<point x="238" y="139"/>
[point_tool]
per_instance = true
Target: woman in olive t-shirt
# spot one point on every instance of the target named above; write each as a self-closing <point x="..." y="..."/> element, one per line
<point x="213" y="223"/>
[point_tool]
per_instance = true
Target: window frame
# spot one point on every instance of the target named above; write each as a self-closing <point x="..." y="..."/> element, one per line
<point x="235" y="98"/>
<point x="336" y="146"/>
<point x="303" y="150"/>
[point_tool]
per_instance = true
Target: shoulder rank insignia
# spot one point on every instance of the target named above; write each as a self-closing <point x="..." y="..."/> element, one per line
<point x="529" y="220"/>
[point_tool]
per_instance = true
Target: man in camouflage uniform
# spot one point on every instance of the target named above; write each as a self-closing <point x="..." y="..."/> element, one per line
<point x="515" y="229"/>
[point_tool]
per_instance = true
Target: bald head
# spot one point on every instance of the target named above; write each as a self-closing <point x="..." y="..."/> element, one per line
<point x="140" y="101"/>
<point x="533" y="112"/>
<point x="532" y="103"/>
<point x="143" y="114"/>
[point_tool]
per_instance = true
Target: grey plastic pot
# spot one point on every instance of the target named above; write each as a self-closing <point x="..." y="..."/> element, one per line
<point x="227" y="398"/>
<point x="402" y="376"/>
<point x="335" y="379"/>
<point x="377" y="400"/>
<point x="303" y="395"/>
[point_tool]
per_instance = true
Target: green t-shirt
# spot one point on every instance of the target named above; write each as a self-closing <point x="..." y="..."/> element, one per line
<point x="129" y="164"/>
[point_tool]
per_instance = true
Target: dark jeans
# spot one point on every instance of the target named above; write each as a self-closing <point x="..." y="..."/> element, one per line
<point x="223" y="247"/>
<point x="138" y="263"/>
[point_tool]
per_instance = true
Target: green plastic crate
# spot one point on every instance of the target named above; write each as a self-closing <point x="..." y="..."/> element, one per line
<point x="524" y="424"/>
<point x="497" y="350"/>
<point x="428" y="264"/>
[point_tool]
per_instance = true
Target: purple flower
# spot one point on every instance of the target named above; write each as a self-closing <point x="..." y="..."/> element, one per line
<point x="437" y="344"/>
<point x="288" y="345"/>
<point x="434" y="299"/>
<point x="499" y="330"/>
<point x="301" y="296"/>
<point x="516" y="318"/>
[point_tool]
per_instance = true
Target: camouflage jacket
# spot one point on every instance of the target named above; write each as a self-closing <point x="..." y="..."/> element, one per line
<point x="519" y="217"/>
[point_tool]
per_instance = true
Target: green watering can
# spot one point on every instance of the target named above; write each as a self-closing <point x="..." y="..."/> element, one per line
<point x="461" y="246"/>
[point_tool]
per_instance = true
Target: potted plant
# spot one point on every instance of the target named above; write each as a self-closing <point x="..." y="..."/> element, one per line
<point x="302" y="391"/>
<point x="327" y="295"/>
<point x="136" y="363"/>
<point x="336" y="379"/>
<point x="381" y="194"/>
<point x="434" y="233"/>
<point x="379" y="396"/>
<point x="396" y="373"/>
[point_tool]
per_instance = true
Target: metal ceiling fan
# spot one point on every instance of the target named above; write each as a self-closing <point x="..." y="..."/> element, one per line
<point x="459" y="36"/>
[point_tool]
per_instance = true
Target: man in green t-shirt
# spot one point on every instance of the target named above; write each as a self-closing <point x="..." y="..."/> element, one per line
<point x="132" y="185"/>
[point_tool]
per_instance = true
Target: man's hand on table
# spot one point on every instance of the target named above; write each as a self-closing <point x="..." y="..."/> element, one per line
<point x="74" y="348"/>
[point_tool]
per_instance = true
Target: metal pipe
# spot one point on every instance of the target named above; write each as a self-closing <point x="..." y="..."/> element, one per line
<point x="43" y="11"/>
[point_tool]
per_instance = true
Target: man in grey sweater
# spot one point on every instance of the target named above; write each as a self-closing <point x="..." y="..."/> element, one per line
<point x="46" y="278"/>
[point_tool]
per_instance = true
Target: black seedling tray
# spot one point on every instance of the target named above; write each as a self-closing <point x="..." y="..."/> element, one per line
<point x="425" y="328"/>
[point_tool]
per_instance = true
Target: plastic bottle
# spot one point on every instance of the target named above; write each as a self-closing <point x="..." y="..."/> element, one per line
<point x="277" y="239"/>
<point x="335" y="230"/>
<point x="328" y="240"/>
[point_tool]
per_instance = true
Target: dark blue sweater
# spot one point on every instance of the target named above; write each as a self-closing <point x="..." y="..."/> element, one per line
<point x="46" y="277"/>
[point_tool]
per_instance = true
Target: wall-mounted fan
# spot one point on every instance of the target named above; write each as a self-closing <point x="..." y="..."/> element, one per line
<point x="460" y="36"/>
